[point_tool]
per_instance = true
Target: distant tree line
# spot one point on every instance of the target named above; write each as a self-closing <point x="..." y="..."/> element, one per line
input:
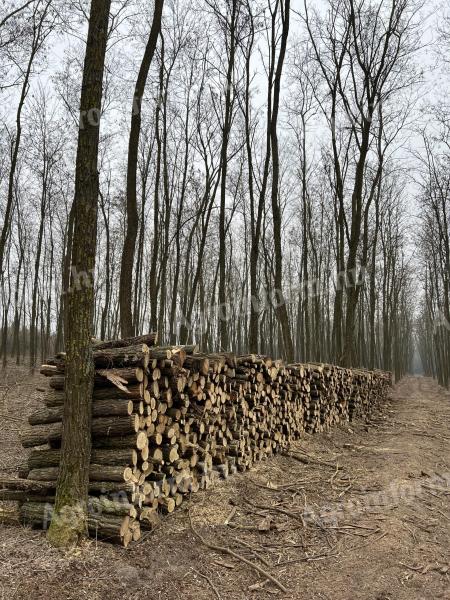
<point x="253" y="193"/>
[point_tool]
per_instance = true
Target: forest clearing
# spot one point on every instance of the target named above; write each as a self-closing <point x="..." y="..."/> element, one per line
<point x="224" y="299"/>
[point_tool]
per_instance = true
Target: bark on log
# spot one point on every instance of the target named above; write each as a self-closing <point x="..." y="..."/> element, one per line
<point x="130" y="356"/>
<point x="96" y="473"/>
<point x="46" y="488"/>
<point x="150" y="339"/>
<point x="39" y="459"/>
<point x="100" y="408"/>
<point x="38" y="435"/>
<point x="107" y="527"/>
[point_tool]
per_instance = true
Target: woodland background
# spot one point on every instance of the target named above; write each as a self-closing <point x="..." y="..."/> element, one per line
<point x="273" y="173"/>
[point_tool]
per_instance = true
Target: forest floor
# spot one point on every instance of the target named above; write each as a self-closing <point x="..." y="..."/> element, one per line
<point x="364" y="514"/>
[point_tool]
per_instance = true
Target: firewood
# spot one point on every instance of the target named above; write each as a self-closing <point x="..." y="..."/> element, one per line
<point x="38" y="459"/>
<point x="96" y="473"/>
<point x="168" y="421"/>
<point x="150" y="339"/>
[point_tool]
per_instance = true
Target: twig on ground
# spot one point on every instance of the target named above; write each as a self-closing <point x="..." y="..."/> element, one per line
<point x="411" y="567"/>
<point x="372" y="541"/>
<point x="332" y="478"/>
<point x="347" y="489"/>
<point x="307" y="559"/>
<point x="254" y="551"/>
<point x="213" y="587"/>
<point x="237" y="556"/>
<point x="436" y="488"/>
<point x="230" y="516"/>
<point x="11" y="417"/>
<point x="283" y="487"/>
<point x="308" y="459"/>
<point x="297" y="517"/>
<point x="349" y="532"/>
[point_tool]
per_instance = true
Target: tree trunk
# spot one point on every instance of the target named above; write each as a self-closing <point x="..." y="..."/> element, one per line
<point x="37" y="264"/>
<point x="69" y="521"/>
<point x="153" y="284"/>
<point x="105" y="310"/>
<point x="281" y="308"/>
<point x="126" y="271"/>
<point x="223" y="311"/>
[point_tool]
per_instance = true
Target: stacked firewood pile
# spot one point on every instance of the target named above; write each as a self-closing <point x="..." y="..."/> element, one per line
<point x="167" y="421"/>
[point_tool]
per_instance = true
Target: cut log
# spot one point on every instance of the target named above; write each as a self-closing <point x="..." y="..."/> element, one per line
<point x="39" y="459"/>
<point x="107" y="527"/>
<point x="130" y="356"/>
<point x="128" y="441"/>
<point x="150" y="339"/>
<point x="96" y="473"/>
<point x="38" y="435"/>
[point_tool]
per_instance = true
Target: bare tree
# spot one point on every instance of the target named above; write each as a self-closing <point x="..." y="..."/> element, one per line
<point x="42" y="23"/>
<point x="70" y="513"/>
<point x="126" y="271"/>
<point x="370" y="51"/>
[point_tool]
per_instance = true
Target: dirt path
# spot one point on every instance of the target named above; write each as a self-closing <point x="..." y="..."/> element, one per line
<point x="361" y="513"/>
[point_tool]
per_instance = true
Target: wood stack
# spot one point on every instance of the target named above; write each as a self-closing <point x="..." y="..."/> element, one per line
<point x="168" y="421"/>
<point x="120" y="392"/>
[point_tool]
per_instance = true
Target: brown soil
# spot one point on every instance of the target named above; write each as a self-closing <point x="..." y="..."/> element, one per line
<point x="364" y="514"/>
